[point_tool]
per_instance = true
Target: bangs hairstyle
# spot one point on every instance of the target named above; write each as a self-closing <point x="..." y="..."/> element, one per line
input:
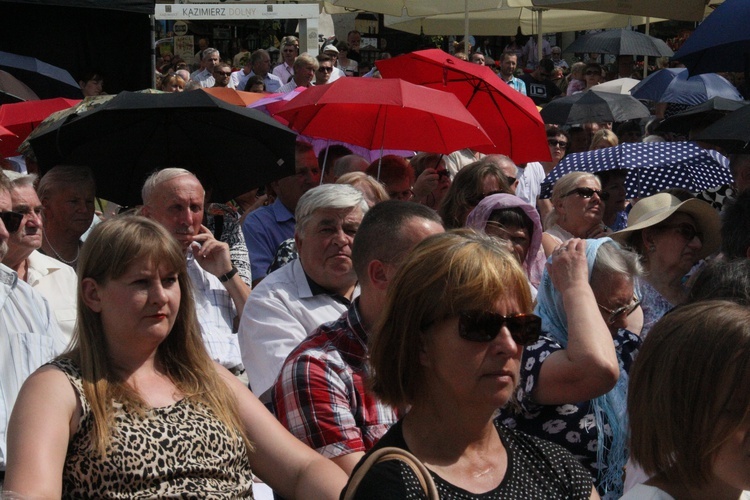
<point x="690" y="390"/>
<point x="444" y="275"/>
<point x="107" y="254"/>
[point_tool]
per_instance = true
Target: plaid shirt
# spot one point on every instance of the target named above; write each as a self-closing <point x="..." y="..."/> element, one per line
<point x="320" y="394"/>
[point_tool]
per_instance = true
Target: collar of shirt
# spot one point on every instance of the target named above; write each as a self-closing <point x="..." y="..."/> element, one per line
<point x="317" y="289"/>
<point x="280" y="211"/>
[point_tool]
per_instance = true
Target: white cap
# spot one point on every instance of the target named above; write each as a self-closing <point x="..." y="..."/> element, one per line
<point x="330" y="48"/>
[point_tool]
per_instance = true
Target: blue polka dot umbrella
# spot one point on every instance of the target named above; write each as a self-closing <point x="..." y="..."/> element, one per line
<point x="651" y="167"/>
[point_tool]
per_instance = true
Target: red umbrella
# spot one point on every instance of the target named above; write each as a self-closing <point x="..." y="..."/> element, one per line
<point x="377" y="113"/>
<point x="21" y="118"/>
<point x="510" y="119"/>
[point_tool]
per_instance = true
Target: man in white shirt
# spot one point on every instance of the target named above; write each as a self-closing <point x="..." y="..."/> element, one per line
<point x="205" y="77"/>
<point x="314" y="289"/>
<point x="332" y="52"/>
<point x="174" y="197"/>
<point x="259" y="64"/>
<point x="289" y="52"/>
<point x="305" y="67"/>
<point x="56" y="281"/>
<point x="29" y="335"/>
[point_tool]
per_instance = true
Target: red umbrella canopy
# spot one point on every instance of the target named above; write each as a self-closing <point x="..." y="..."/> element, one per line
<point x="384" y="113"/>
<point x="510" y="119"/>
<point x="22" y="117"/>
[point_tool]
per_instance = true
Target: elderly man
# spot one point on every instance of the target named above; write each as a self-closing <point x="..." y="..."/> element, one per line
<point x="508" y="65"/>
<point x="54" y="280"/>
<point x="314" y="289"/>
<point x="67" y="195"/>
<point x="174" y="198"/>
<point x="266" y="227"/>
<point x="289" y="52"/>
<point x="305" y="67"/>
<point x="205" y="77"/>
<point x="29" y="335"/>
<point x="320" y="395"/>
<point x="258" y="64"/>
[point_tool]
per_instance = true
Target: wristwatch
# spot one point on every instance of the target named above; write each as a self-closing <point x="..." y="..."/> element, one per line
<point x="226" y="277"/>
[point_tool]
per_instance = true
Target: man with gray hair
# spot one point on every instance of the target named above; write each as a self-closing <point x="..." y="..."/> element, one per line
<point x="54" y="280"/>
<point x="205" y="77"/>
<point x="320" y="395"/>
<point x="314" y="289"/>
<point x="29" y="335"/>
<point x="349" y="163"/>
<point x="305" y="67"/>
<point x="174" y="197"/>
<point x="509" y="169"/>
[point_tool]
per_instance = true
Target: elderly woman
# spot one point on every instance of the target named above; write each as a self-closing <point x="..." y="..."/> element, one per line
<point x="470" y="185"/>
<point x="433" y="179"/>
<point x="449" y="346"/>
<point x="671" y="236"/>
<point x="574" y="379"/>
<point x="689" y="404"/>
<point x="578" y="202"/>
<point x="511" y="219"/>
<point x="137" y="408"/>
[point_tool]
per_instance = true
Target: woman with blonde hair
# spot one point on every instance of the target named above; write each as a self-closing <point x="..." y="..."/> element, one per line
<point x="448" y="347"/>
<point x="578" y="208"/>
<point x="604" y="138"/>
<point x="137" y="407"/>
<point x="689" y="404"/>
<point x="373" y="191"/>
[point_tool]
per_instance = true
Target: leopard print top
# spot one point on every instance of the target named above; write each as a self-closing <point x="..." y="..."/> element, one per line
<point x="180" y="451"/>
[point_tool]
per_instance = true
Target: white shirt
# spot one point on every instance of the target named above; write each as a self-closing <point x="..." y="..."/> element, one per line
<point x="280" y="313"/>
<point x="216" y="312"/>
<point x="459" y="159"/>
<point x="530" y="182"/>
<point x="58" y="283"/>
<point x="238" y="79"/>
<point x="336" y="74"/>
<point x="205" y="78"/>
<point x="29" y="338"/>
<point x="288" y="87"/>
<point x="283" y="71"/>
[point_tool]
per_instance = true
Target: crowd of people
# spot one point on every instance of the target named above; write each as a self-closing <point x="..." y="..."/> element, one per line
<point x="589" y="345"/>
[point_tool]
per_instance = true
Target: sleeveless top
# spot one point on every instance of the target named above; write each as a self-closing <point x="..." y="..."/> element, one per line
<point x="181" y="450"/>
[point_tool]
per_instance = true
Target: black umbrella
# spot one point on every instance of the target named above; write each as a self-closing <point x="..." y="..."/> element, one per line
<point x="593" y="107"/>
<point x="46" y="80"/>
<point x="700" y="115"/>
<point x="620" y="42"/>
<point x="231" y="149"/>
<point x="731" y="132"/>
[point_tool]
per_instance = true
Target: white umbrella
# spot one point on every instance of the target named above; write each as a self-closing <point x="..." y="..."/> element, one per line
<point x="680" y="10"/>
<point x="619" y="86"/>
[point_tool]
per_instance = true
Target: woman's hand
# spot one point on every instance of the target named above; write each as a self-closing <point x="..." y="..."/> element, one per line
<point x="569" y="268"/>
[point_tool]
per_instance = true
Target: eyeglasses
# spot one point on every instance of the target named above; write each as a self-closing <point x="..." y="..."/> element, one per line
<point x="588" y="193"/>
<point x="618" y="313"/>
<point x="222" y="73"/>
<point x="11" y="220"/>
<point x="591" y="72"/>
<point x="687" y="231"/>
<point x="325" y="69"/>
<point x="511" y="180"/>
<point x="555" y="143"/>
<point x="482" y="326"/>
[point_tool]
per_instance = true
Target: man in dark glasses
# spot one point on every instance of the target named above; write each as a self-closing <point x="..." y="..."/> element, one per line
<point x="334" y="352"/>
<point x="325" y="68"/>
<point x="29" y="336"/>
<point x="222" y="75"/>
<point x="56" y="281"/>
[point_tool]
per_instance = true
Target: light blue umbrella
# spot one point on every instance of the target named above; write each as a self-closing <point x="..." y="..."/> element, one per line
<point x="673" y="85"/>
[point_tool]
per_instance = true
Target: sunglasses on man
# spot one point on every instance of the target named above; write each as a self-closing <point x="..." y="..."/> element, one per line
<point x="11" y="220"/>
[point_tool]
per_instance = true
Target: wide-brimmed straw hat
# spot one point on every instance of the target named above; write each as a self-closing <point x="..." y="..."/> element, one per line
<point x="655" y="209"/>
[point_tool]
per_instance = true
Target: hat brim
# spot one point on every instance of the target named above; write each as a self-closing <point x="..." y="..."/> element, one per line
<point x="706" y="218"/>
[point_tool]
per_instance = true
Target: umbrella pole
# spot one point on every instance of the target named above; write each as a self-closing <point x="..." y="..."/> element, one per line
<point x="645" y="58"/>
<point x="466" y="28"/>
<point x="539" y="47"/>
<point x="325" y="159"/>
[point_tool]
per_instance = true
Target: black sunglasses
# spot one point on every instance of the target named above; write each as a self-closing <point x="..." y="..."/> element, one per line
<point x="481" y="326"/>
<point x="588" y="193"/>
<point x="11" y="220"/>
<point x="325" y="69"/>
<point x="555" y="143"/>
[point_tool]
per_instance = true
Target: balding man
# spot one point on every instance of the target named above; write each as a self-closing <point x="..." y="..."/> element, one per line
<point x="314" y="289"/>
<point x="174" y="197"/>
<point x="320" y="395"/>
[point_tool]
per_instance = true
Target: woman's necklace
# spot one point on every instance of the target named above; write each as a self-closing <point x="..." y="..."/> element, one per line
<point x="68" y="262"/>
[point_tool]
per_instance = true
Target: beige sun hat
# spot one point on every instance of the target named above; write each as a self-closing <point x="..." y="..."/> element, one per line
<point x="657" y="208"/>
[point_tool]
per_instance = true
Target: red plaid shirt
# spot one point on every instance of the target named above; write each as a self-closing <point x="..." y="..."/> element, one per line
<point x="320" y="394"/>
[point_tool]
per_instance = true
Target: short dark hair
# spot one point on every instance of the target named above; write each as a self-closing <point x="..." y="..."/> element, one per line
<point x="722" y="279"/>
<point x="379" y="235"/>
<point x="547" y="65"/>
<point x="254" y="80"/>
<point x="323" y="58"/>
<point x="335" y="151"/>
<point x="735" y="227"/>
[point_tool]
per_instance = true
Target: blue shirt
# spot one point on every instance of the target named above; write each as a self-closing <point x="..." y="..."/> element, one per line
<point x="265" y="229"/>
<point x="517" y="84"/>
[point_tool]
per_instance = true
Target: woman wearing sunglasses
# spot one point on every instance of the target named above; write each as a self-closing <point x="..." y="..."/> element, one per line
<point x="574" y="379"/>
<point x="578" y="207"/>
<point x="448" y="348"/>
<point x="671" y="236"/>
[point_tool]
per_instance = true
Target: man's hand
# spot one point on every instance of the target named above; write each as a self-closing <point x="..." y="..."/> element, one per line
<point x="213" y="255"/>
